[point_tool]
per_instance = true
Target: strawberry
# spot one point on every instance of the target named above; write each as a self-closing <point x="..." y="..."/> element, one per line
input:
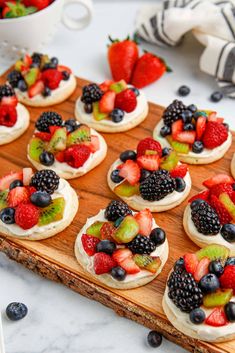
<point x="145" y="221"/>
<point x="77" y="155"/>
<point x="221" y="211"/>
<point x="39" y="4"/>
<point x="220" y="188"/>
<point x="26" y="215"/>
<point x="130" y="171"/>
<point x="53" y="129"/>
<point x="218" y="179"/>
<point x="179" y="171"/>
<point x="217" y="318"/>
<point x="107" y="230"/>
<point x="103" y="263"/>
<point x="186" y="137"/>
<point x="11" y="101"/>
<point x="190" y="262"/>
<point x="94" y="144"/>
<point x="27" y="175"/>
<point x="214" y="135"/>
<point x="130" y="266"/>
<point x="17" y="195"/>
<point x="150" y="162"/>
<point x="220" y="120"/>
<point x="36" y="88"/>
<point x="176" y="128"/>
<point x="59" y="156"/>
<point x="6" y="180"/>
<point x="44" y="136"/>
<point x="122" y="57"/>
<point x="148" y="69"/>
<point x="212" y="116"/>
<point x="106" y="104"/>
<point x="8" y="115"/>
<point x="104" y="86"/>
<point x="62" y="68"/>
<point x="121" y="254"/>
<point x="200" y="127"/>
<point x="227" y="280"/>
<point x="204" y="195"/>
<point x="52" y="78"/>
<point x="126" y="100"/>
<point x="148" y="144"/>
<point x="202" y="269"/>
<point x="31" y="190"/>
<point x="89" y="244"/>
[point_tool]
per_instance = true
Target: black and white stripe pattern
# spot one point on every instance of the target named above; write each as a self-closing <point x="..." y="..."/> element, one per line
<point x="166" y="24"/>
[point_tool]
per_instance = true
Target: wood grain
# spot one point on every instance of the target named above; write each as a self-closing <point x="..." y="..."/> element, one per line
<point x="54" y="258"/>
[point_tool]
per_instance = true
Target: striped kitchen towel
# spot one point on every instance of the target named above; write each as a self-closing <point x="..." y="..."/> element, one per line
<point x="211" y="21"/>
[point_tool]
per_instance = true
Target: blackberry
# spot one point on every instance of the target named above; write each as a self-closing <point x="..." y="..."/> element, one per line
<point x="6" y="91"/>
<point x="14" y="77"/>
<point x="205" y="218"/>
<point x="91" y="93"/>
<point x="36" y="58"/>
<point x="173" y="112"/>
<point x="47" y="119"/>
<point x="184" y="290"/>
<point x="45" y="180"/>
<point x="116" y="209"/>
<point x="157" y="186"/>
<point x="141" y="245"/>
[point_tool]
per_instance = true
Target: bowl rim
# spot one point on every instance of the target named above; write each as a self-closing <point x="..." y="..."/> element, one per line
<point x="33" y="15"/>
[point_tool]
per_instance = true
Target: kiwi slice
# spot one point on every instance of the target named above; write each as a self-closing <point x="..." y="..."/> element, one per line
<point x="80" y="135"/>
<point x="52" y="213"/>
<point x="170" y="162"/>
<point x="127" y="190"/>
<point x="228" y="204"/>
<point x="96" y="112"/>
<point x="118" y="87"/>
<point x="219" y="298"/>
<point x="3" y="199"/>
<point x="147" y="262"/>
<point x="31" y="76"/>
<point x="213" y="252"/>
<point x="127" y="230"/>
<point x="94" y="229"/>
<point x="36" y="147"/>
<point x="58" y="140"/>
<point x="180" y="147"/>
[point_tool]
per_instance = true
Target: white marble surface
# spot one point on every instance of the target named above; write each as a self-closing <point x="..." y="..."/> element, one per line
<point x="59" y="320"/>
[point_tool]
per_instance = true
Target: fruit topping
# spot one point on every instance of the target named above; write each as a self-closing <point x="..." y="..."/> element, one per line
<point x="218" y="189"/>
<point x="228" y="232"/>
<point x="215" y="134"/>
<point x="103" y="263"/>
<point x="126" y="190"/>
<point x="158" y="236"/>
<point x="173" y="112"/>
<point x="117" y="115"/>
<point x="145" y="220"/>
<point x="230" y="311"/>
<point x="216" y="267"/>
<point x="52" y="213"/>
<point x="200" y="127"/>
<point x="121" y="254"/>
<point x="180" y="184"/>
<point x="16" y="311"/>
<point x="7" y="215"/>
<point x="77" y="155"/>
<point x="36" y="148"/>
<point x="141" y="245"/>
<point x="45" y="180"/>
<point x="15" y="183"/>
<point x="80" y="135"/>
<point x="218" y="179"/>
<point x="107" y="102"/>
<point x="157" y="186"/>
<point x="147" y="262"/>
<point x="190" y="263"/>
<point x="130" y="171"/>
<point x="149" y="162"/>
<point x="8" y="115"/>
<point x="26" y="215"/>
<point x="209" y="283"/>
<point x="17" y="195"/>
<point x="128" y="154"/>
<point x="197" y="147"/>
<point x="217" y="318"/>
<point x="97" y="113"/>
<point x="107" y="230"/>
<point x="227" y="279"/>
<point x="95" y="229"/>
<point x="91" y="93"/>
<point x="126" y="101"/>
<point x="116" y="209"/>
<point x="204" y="195"/>
<point x="89" y="244"/>
<point x="51" y="78"/>
<point x="179" y="171"/>
<point x="127" y="230"/>
<point x="106" y="246"/>
<point x="46" y="158"/>
<point x="58" y="140"/>
<point x="48" y="119"/>
<point x="36" y="89"/>
<point x="6" y="180"/>
<point x="197" y="316"/>
<point x="228" y="204"/>
<point x="118" y="273"/>
<point x="202" y="269"/>
<point x="117" y="87"/>
<point x="41" y="199"/>
<point x="223" y="214"/>
<point x="148" y="144"/>
<point x="213" y="252"/>
<point x="218" y="298"/>
<point x="3" y="199"/>
<point x="170" y="161"/>
<point x="205" y="218"/>
<point x="27" y="176"/>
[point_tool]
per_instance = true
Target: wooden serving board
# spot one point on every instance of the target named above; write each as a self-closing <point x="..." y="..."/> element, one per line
<point x="54" y="258"/>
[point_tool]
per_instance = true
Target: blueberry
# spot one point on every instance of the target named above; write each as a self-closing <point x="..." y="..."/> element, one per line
<point x="189" y="127"/>
<point x="180" y="184"/>
<point x="16" y="311"/>
<point x="115" y="177"/>
<point x="144" y="174"/>
<point x="40" y="199"/>
<point x="158" y="236"/>
<point x="128" y="154"/>
<point x="186" y="116"/>
<point x="118" y="222"/>
<point x="118" y="273"/>
<point x="7" y="215"/>
<point x="197" y="316"/>
<point x="136" y="91"/>
<point x="46" y="92"/>
<point x="196" y="115"/>
<point x="229" y="310"/>
<point x="196" y="203"/>
<point x="192" y="108"/>
<point x="15" y="183"/>
<point x="49" y="65"/>
<point x="227" y="126"/>
<point x="233" y="186"/>
<point x="88" y="108"/>
<point x="216" y="96"/>
<point x="54" y="61"/>
<point x="117" y="115"/>
<point x="46" y="158"/>
<point x="22" y="86"/>
<point x="183" y="91"/>
<point x="154" y="339"/>
<point x="106" y="246"/>
<point x="165" y="130"/>
<point x="209" y="283"/>
<point x="71" y="124"/>
<point x="65" y="75"/>
<point x="230" y="261"/>
<point x="228" y="232"/>
<point x="165" y="151"/>
<point x="216" y="268"/>
<point x="197" y="147"/>
<point x="179" y="263"/>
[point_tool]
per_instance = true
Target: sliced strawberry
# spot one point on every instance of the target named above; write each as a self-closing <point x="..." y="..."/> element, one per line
<point x="190" y="262"/>
<point x="179" y="171"/>
<point x="27" y="60"/>
<point x="212" y="116"/>
<point x="44" y="136"/>
<point x="103" y="263"/>
<point x="6" y="180"/>
<point x="200" y="126"/>
<point x="130" y="171"/>
<point x="60" y="156"/>
<point x="202" y="269"/>
<point x="221" y="211"/>
<point x="62" y="68"/>
<point x="186" y="137"/>
<point x="220" y="120"/>
<point x="218" y="189"/>
<point x="218" y="179"/>
<point x="17" y="195"/>
<point x="217" y="318"/>
<point x="150" y="162"/>
<point x="94" y="144"/>
<point x="107" y="230"/>
<point x="27" y="175"/>
<point x="148" y="144"/>
<point x="121" y="254"/>
<point x="36" y="89"/>
<point x="53" y="129"/>
<point x="130" y="266"/>
<point x="104" y="86"/>
<point x="176" y="128"/>
<point x="106" y="104"/>
<point x="89" y="244"/>
<point x="227" y="280"/>
<point x="145" y="221"/>
<point x="12" y="100"/>
<point x="204" y="195"/>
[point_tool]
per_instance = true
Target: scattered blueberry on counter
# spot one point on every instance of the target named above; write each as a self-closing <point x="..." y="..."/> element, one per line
<point x="154" y="339"/>
<point x="16" y="311"/>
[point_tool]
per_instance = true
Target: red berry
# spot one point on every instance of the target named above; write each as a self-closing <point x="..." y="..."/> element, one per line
<point x="26" y="215"/>
<point x="204" y="195"/>
<point x="12" y="101"/>
<point x="148" y="144"/>
<point x="52" y="78"/>
<point x="60" y="157"/>
<point x="200" y="127"/>
<point x="6" y="180"/>
<point x="150" y="162"/>
<point x="218" y="179"/>
<point x="77" y="155"/>
<point x="89" y="244"/>
<point x="221" y="188"/>
<point x="103" y="263"/>
<point x="104" y="86"/>
<point x="107" y="230"/>
<point x="17" y="195"/>
<point x="36" y="89"/>
<point x="130" y="171"/>
<point x="186" y="137"/>
<point x="106" y="104"/>
<point x="126" y="100"/>
<point x="39" y="4"/>
<point x="145" y="221"/>
<point x="130" y="266"/>
<point x="217" y="318"/>
<point x="176" y="128"/>
<point x="121" y="254"/>
<point x="214" y="135"/>
<point x="8" y="115"/>
<point x="190" y="262"/>
<point x="227" y="280"/>
<point x="44" y="136"/>
<point x="221" y="211"/>
<point x="179" y="171"/>
<point x="94" y="145"/>
<point x="202" y="269"/>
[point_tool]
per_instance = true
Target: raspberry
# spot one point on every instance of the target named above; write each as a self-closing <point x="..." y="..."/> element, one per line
<point x="179" y="171"/>
<point x="227" y="280"/>
<point x="126" y="100"/>
<point x="8" y="115"/>
<point x="77" y="155"/>
<point x="148" y="144"/>
<point x="218" y="189"/>
<point x="214" y="135"/>
<point x="52" y="78"/>
<point x="221" y="211"/>
<point x="26" y="215"/>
